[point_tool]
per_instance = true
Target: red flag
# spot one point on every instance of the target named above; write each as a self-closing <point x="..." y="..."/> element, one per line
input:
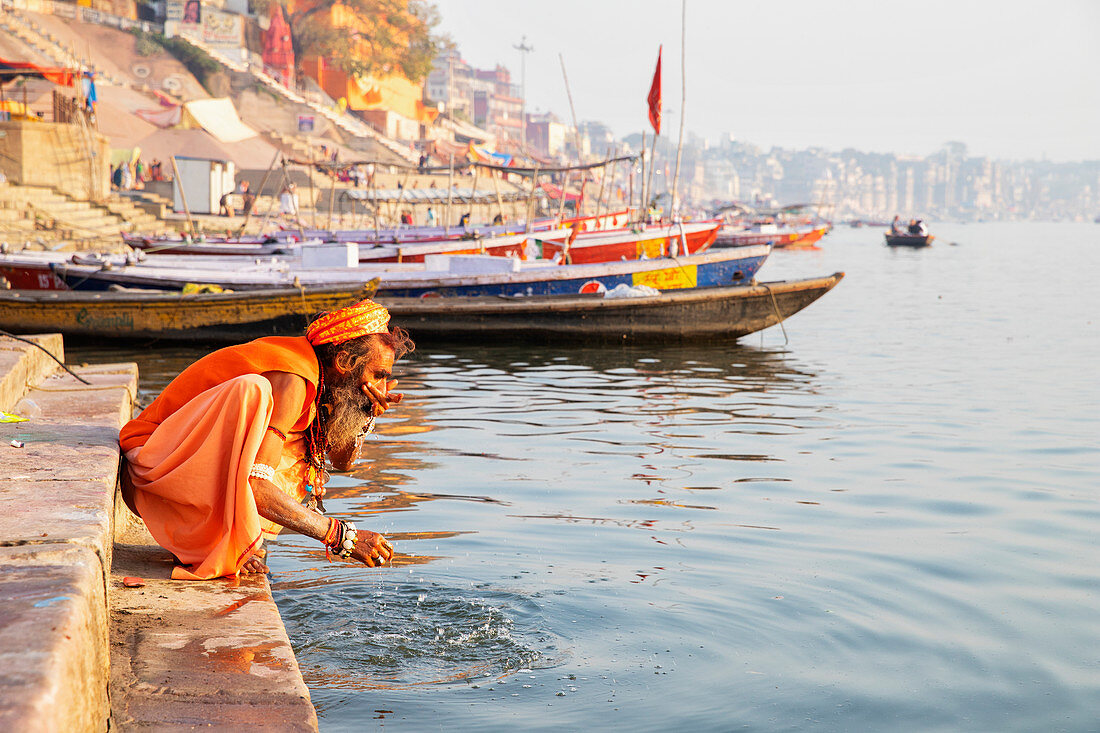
<point x="654" y="97"/>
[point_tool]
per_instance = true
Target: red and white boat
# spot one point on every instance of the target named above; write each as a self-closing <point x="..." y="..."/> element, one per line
<point x="780" y="236"/>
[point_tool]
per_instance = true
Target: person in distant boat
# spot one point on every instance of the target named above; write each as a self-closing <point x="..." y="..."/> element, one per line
<point x="895" y="225"/>
<point x="498" y="219"/>
<point x="429" y="218"/>
<point x="912" y="229"/>
<point x="464" y="221"/>
<point x="234" y="445"/>
<point x="922" y="230"/>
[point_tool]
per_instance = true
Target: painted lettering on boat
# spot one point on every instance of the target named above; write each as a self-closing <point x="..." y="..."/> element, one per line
<point x="674" y="277"/>
<point x="113" y="320"/>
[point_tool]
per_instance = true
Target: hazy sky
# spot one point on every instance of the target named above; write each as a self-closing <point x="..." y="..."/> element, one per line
<point x="1012" y="79"/>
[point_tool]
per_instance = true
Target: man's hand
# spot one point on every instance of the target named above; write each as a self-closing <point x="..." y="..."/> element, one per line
<point x="371" y="548"/>
<point x="382" y="401"/>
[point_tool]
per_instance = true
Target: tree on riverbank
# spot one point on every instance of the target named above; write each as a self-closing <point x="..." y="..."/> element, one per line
<point x="365" y="37"/>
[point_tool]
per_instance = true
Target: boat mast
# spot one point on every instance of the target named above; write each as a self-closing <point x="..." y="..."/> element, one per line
<point x="576" y="140"/>
<point x="674" y="203"/>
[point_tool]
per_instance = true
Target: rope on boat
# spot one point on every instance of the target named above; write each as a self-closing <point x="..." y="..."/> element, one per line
<point x="775" y="306"/>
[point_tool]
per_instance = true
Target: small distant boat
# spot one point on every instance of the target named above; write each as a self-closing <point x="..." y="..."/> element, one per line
<point x="780" y="236"/>
<point x="696" y="314"/>
<point x="903" y="239"/>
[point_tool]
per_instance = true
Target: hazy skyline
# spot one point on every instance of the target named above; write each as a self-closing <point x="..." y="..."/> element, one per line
<point x="1011" y="79"/>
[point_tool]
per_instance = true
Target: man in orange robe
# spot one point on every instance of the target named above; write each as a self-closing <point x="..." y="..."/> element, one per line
<point x="236" y="442"/>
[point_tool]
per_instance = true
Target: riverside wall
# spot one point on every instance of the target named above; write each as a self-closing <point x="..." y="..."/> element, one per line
<point x="79" y="650"/>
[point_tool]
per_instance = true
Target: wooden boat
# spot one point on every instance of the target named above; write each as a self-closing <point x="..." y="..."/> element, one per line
<point x="31" y="270"/>
<point x="442" y="275"/>
<point x="586" y="248"/>
<point x="699" y="314"/>
<point x="904" y="239"/>
<point x="157" y="314"/>
<point x="779" y="236"/>
<point x="278" y="241"/>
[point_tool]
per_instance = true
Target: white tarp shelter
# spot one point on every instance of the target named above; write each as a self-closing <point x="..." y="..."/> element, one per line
<point x="218" y="117"/>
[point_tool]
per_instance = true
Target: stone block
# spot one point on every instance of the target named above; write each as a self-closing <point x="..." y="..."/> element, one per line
<point x="212" y="653"/>
<point x="22" y="365"/>
<point x="53" y="639"/>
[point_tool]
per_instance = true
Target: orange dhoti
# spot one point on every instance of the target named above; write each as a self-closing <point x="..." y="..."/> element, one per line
<point x="190" y="478"/>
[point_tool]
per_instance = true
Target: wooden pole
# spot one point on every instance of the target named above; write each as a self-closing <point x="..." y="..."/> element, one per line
<point x="611" y="186"/>
<point x="259" y="193"/>
<point x="183" y="196"/>
<point x="515" y="207"/>
<point x="599" y="196"/>
<point x="496" y="186"/>
<point x="473" y="192"/>
<point x="641" y="184"/>
<point x="374" y="202"/>
<point x="531" y="198"/>
<point x="331" y="200"/>
<point x="400" y="196"/>
<point x="652" y="165"/>
<point x="674" y="203"/>
<point x="572" y="110"/>
<point x="630" y="189"/>
<point x="450" y="194"/>
<point x="561" y="198"/>
<point x="312" y="191"/>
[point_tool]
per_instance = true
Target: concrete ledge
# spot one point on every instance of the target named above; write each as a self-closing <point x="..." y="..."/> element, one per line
<point x="212" y="653"/>
<point x="22" y="365"/>
<point x="60" y="485"/>
<point x="56" y="537"/>
<point x="53" y="640"/>
<point x="78" y="650"/>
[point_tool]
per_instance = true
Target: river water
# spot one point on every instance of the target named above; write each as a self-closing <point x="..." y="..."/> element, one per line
<point x="887" y="519"/>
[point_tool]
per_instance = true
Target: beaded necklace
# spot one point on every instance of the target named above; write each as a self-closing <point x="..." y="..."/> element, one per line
<point x="317" y="440"/>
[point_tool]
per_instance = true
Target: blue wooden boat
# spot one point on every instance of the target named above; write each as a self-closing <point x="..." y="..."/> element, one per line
<point x="439" y="275"/>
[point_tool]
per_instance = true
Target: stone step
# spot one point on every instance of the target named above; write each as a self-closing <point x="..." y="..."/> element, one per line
<point x="185" y="652"/>
<point x="22" y="365"/>
<point x="56" y="544"/>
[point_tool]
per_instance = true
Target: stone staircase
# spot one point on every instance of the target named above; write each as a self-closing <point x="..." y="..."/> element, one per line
<point x="47" y="44"/>
<point x="53" y="219"/>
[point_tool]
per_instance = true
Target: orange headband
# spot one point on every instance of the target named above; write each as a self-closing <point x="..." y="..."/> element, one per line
<point x="362" y="319"/>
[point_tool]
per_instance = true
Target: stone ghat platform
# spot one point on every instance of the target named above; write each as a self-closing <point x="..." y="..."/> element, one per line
<point x="79" y="651"/>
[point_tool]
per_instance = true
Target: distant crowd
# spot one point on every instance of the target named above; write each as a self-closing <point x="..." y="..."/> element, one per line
<point x="130" y="175"/>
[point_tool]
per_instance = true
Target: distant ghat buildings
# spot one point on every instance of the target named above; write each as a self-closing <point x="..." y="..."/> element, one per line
<point x="458" y="105"/>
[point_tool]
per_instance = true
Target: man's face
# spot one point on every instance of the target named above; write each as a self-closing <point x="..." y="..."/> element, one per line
<point x="351" y="398"/>
<point x="377" y="372"/>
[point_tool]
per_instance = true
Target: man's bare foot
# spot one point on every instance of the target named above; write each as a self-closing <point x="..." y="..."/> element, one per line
<point x="254" y="565"/>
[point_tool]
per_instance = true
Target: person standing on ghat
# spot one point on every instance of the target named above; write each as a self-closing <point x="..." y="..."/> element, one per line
<point x="233" y="445"/>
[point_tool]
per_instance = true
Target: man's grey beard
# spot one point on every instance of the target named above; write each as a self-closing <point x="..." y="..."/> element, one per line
<point x="350" y="411"/>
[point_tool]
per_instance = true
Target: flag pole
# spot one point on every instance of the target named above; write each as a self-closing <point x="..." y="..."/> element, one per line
<point x="654" y="100"/>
